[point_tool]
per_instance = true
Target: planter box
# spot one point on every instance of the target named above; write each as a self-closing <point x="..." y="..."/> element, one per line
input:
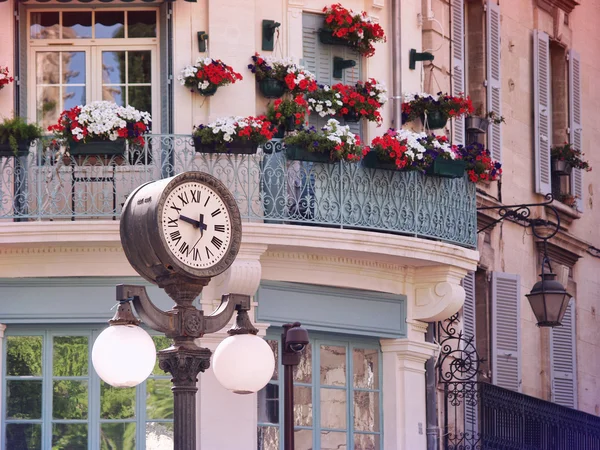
<point x="561" y="167"/>
<point x="290" y="125"/>
<point x="435" y="120"/>
<point x="447" y="168"/>
<point x="271" y="88"/>
<point x="22" y="149"/>
<point x="208" y="92"/>
<point x="476" y="124"/>
<point x="327" y="37"/>
<point x="98" y="147"/>
<point x="235" y="148"/>
<point x="372" y="161"/>
<point x="301" y="154"/>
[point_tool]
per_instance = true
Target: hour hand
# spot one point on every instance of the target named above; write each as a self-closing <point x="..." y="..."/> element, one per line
<point x="190" y="220"/>
<point x="201" y="223"/>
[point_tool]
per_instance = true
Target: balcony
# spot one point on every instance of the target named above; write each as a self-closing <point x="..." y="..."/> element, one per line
<point x="269" y="188"/>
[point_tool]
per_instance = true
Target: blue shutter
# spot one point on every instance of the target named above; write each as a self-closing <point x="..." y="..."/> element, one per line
<point x="542" y="112"/>
<point x="563" y="360"/>
<point x="494" y="97"/>
<point x="506" y="330"/>
<point x="458" y="64"/>
<point x="575" y="125"/>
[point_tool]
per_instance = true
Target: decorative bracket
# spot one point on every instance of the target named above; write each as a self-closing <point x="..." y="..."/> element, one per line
<point x="341" y="64"/>
<point x="437" y="301"/>
<point x="415" y="56"/>
<point x="268" y="32"/>
<point x="202" y="38"/>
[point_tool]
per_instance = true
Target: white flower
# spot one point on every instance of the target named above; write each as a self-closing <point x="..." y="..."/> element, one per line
<point x="207" y="61"/>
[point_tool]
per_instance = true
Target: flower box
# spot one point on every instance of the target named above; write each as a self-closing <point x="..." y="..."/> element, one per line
<point x="475" y="124"/>
<point x="372" y="161"/>
<point x="22" y="149"/>
<point x="98" y="147"/>
<point x="271" y="88"/>
<point x="447" y="168"/>
<point x="233" y="148"/>
<point x="327" y="37"/>
<point x="295" y="153"/>
<point x="561" y="167"/>
<point x="435" y="120"/>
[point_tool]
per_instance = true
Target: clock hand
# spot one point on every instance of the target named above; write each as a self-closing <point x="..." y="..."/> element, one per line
<point x="201" y="224"/>
<point x="195" y="223"/>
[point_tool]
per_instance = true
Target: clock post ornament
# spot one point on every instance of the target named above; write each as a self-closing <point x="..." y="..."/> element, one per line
<point x="178" y="233"/>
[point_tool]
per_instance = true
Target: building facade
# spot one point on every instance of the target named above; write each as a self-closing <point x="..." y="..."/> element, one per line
<point x="366" y="259"/>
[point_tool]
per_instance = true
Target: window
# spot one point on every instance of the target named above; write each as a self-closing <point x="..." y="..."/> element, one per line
<point x="54" y="399"/>
<point x="337" y="398"/>
<point x="79" y="56"/>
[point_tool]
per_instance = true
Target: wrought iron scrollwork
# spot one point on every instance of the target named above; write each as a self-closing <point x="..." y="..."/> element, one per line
<point x="459" y="360"/>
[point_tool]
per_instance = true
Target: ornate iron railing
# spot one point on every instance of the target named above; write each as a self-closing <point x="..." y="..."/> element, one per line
<point x="482" y="416"/>
<point x="44" y="184"/>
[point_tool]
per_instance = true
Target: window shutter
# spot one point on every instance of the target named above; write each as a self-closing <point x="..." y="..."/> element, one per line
<point x="468" y="315"/>
<point x="575" y="123"/>
<point x="351" y="76"/>
<point x="506" y="330"/>
<point x="458" y="65"/>
<point x="542" y="117"/>
<point x="494" y="97"/>
<point x="563" y="361"/>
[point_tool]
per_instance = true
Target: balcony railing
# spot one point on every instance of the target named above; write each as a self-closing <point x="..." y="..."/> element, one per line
<point x="269" y="188"/>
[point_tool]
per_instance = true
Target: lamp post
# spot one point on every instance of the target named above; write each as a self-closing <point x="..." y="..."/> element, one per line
<point x="178" y="233"/>
<point x="548" y="298"/>
<point x="293" y="342"/>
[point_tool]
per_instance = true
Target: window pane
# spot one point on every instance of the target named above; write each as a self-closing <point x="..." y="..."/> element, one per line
<point x="159" y="399"/>
<point x="366" y="368"/>
<point x="159" y="436"/>
<point x="161" y="342"/>
<point x="333" y="408"/>
<point x="366" y="442"/>
<point x="139" y="67"/>
<point x="268" y="404"/>
<point x="69" y="399"/>
<point x="116" y="403"/>
<point x="113" y="67"/>
<point x="77" y="25"/>
<point x="303" y="406"/>
<point x="73" y="65"/>
<point x="303" y="440"/>
<point x="23" y="399"/>
<point x="70" y="356"/>
<point x="69" y="436"/>
<point x="110" y="24"/>
<point x="48" y="104"/>
<point x="366" y="411"/>
<point x="44" y="25"/>
<point x="141" y="24"/>
<point x="333" y="440"/>
<point x="73" y="96"/>
<point x="119" y="436"/>
<point x="115" y="94"/>
<point x="140" y="97"/>
<point x="46" y="66"/>
<point x="268" y="438"/>
<point x="303" y="371"/>
<point x="24" y="436"/>
<point x="333" y="365"/>
<point x="24" y="355"/>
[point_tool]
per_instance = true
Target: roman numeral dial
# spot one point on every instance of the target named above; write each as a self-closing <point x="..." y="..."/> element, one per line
<point x="196" y="225"/>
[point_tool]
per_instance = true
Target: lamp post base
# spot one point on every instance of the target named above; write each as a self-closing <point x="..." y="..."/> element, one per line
<point x="184" y="363"/>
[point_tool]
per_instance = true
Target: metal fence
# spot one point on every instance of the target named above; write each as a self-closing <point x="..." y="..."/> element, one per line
<point x="46" y="184"/>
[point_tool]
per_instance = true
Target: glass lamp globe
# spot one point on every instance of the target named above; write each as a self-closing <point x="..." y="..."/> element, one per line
<point x="124" y="355"/>
<point x="243" y="363"/>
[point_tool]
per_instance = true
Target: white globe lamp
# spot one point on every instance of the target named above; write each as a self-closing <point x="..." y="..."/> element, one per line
<point x="243" y="363"/>
<point x="124" y="355"/>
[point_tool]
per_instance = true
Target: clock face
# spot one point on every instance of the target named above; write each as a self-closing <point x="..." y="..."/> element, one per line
<point x="196" y="225"/>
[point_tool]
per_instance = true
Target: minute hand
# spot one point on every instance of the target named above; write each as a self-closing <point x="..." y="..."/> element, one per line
<point x="190" y="220"/>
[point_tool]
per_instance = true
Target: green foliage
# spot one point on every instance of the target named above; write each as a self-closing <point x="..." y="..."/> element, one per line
<point x="570" y="155"/>
<point x="24" y="355"/>
<point x="17" y="129"/>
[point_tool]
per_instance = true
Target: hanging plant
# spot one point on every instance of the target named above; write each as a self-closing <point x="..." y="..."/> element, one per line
<point x="207" y="75"/>
<point x="325" y="101"/>
<point x="288" y="114"/>
<point x="356" y="29"/>
<point x="435" y="109"/>
<point x="5" y="77"/>
<point x="275" y="76"/>
<point x="233" y="135"/>
<point x="363" y="100"/>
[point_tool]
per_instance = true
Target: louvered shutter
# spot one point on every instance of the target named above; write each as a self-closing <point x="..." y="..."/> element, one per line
<point x="494" y="83"/>
<point x="506" y="330"/>
<point x="542" y="112"/>
<point x="575" y="123"/>
<point x="458" y="65"/>
<point x="468" y="321"/>
<point x="351" y="76"/>
<point x="563" y="360"/>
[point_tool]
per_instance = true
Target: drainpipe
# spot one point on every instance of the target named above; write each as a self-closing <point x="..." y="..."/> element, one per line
<point x="396" y="66"/>
<point x="431" y="397"/>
